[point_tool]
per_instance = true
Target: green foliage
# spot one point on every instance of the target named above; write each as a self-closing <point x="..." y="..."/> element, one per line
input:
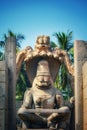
<point x="22" y="83"/>
<point x="71" y="54"/>
<point x="19" y="38"/>
<point x="67" y="93"/>
<point x="2" y="56"/>
<point x="2" y="44"/>
<point x="53" y="45"/>
<point x="62" y="81"/>
<point x="64" y="40"/>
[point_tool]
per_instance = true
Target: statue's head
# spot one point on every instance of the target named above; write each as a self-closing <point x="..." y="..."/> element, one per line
<point x="42" y="42"/>
<point x="43" y="77"/>
<point x="42" y="51"/>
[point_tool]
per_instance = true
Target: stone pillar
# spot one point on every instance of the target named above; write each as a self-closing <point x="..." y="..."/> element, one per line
<point x="10" y="57"/>
<point x="3" y="95"/>
<point x="80" y="58"/>
<point x="85" y="96"/>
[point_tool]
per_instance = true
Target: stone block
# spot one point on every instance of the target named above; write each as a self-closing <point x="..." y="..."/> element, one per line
<point x="85" y="93"/>
<point x="85" y="117"/>
<point x="2" y="102"/>
<point x="2" y="65"/>
<point x="2" y="119"/>
<point x="2" y="76"/>
<point x="84" y="70"/>
<point x="6" y="116"/>
<point x="1" y="128"/>
<point x="85" y="106"/>
<point x="10" y="44"/>
<point x="6" y="127"/>
<point x="2" y="89"/>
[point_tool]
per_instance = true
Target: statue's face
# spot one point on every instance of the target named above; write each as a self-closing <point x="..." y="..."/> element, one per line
<point x="43" y="81"/>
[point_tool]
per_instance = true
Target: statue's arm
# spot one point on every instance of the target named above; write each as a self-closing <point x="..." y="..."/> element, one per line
<point x="28" y="99"/>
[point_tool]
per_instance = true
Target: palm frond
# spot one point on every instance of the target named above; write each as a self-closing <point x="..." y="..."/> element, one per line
<point x="53" y="44"/>
<point x="10" y="33"/>
<point x="58" y="38"/>
<point x="4" y="37"/>
<point x="20" y="37"/>
<point x="2" y="43"/>
<point x="64" y="40"/>
<point x="69" y="35"/>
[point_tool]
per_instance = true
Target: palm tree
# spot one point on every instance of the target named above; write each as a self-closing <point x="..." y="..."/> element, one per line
<point x="63" y="42"/>
<point x="19" y="39"/>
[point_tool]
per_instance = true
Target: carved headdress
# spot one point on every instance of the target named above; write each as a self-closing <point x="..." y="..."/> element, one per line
<point x="43" y="51"/>
<point x="32" y="63"/>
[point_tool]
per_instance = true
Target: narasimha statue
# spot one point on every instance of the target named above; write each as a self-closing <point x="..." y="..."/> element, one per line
<point x="43" y="104"/>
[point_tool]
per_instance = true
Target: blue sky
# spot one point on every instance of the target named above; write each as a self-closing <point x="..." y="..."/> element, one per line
<point x="43" y="17"/>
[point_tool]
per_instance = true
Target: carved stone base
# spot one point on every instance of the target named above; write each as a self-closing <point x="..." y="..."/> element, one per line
<point x="35" y="129"/>
<point x="31" y="129"/>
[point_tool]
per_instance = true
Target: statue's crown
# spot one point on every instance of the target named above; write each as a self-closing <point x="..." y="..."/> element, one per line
<point x="43" y="39"/>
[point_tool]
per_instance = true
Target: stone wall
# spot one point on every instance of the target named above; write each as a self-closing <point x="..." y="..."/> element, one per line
<point x="3" y="96"/>
<point x="85" y="96"/>
<point x="80" y="49"/>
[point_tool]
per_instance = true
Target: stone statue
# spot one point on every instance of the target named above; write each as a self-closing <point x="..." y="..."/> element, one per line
<point x="43" y="95"/>
<point x="43" y="104"/>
